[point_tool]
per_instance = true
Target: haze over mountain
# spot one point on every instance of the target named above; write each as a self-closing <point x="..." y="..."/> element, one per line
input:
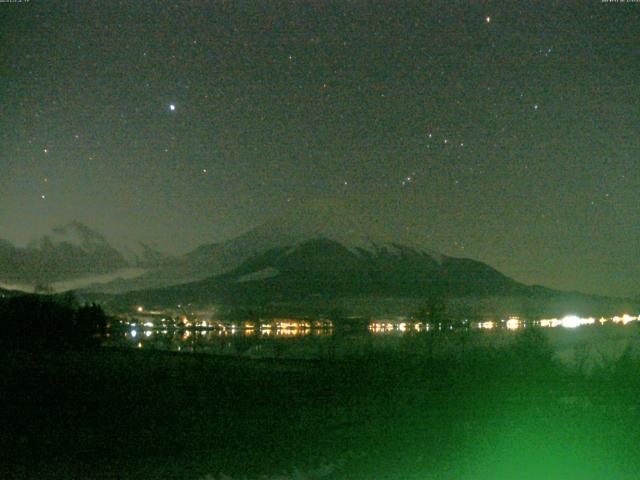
<point x="318" y="254"/>
<point x="72" y="256"/>
<point x="321" y="251"/>
<point x="315" y="220"/>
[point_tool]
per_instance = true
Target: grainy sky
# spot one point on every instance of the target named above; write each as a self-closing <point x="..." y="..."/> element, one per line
<point x="503" y="131"/>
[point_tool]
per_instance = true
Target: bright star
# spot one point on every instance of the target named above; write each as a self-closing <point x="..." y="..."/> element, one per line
<point x="172" y="107"/>
<point x="488" y="19"/>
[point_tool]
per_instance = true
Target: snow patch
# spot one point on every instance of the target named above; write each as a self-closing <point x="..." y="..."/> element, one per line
<point x="355" y="231"/>
<point x="259" y="275"/>
<point x="84" y="282"/>
<point x="20" y="287"/>
<point x="78" y="283"/>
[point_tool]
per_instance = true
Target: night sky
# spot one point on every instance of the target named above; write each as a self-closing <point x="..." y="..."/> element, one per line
<point x="507" y="132"/>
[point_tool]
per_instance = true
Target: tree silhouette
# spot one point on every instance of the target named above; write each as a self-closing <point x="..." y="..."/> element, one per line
<point x="433" y="310"/>
<point x="34" y="321"/>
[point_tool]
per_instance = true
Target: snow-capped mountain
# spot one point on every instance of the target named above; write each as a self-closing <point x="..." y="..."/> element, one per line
<point x="315" y="253"/>
<point x="322" y="268"/>
<point x="71" y="256"/>
<point x="319" y="251"/>
<point x="327" y="221"/>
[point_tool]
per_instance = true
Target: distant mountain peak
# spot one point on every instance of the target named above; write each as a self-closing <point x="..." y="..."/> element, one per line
<point x="72" y="252"/>
<point x="78" y="234"/>
<point x="358" y="232"/>
<point x="356" y="229"/>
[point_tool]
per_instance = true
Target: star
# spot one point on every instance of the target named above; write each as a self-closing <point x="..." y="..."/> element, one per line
<point x="172" y="107"/>
<point x="487" y="19"/>
<point x="536" y="106"/>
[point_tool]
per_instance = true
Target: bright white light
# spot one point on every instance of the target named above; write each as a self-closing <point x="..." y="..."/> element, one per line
<point x="513" y="324"/>
<point x="134" y="333"/>
<point x="626" y="318"/>
<point x="571" y="321"/>
<point x="172" y="107"/>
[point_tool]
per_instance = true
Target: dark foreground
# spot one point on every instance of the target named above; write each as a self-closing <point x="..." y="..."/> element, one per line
<point x="498" y="414"/>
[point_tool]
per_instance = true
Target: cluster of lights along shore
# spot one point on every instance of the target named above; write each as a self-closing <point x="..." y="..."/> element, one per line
<point x="150" y="321"/>
<point x="511" y="323"/>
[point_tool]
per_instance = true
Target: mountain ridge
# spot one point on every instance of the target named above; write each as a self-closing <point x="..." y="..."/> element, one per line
<point x="321" y="253"/>
<point x="326" y="268"/>
<point x="328" y="220"/>
<point x="69" y="253"/>
<point x="316" y="276"/>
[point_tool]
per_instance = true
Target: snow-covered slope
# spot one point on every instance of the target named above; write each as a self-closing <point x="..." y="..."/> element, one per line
<point x="71" y="256"/>
<point x="324" y="270"/>
<point x="327" y="221"/>
<point x="355" y="231"/>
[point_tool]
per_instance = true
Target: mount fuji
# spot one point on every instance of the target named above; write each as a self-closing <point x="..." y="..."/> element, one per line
<point x="319" y="251"/>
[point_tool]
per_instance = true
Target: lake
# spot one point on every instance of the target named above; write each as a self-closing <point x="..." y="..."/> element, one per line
<point x="574" y="340"/>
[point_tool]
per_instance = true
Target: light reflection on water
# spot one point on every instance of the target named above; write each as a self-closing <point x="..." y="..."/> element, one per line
<point x="267" y="342"/>
<point x="289" y="338"/>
